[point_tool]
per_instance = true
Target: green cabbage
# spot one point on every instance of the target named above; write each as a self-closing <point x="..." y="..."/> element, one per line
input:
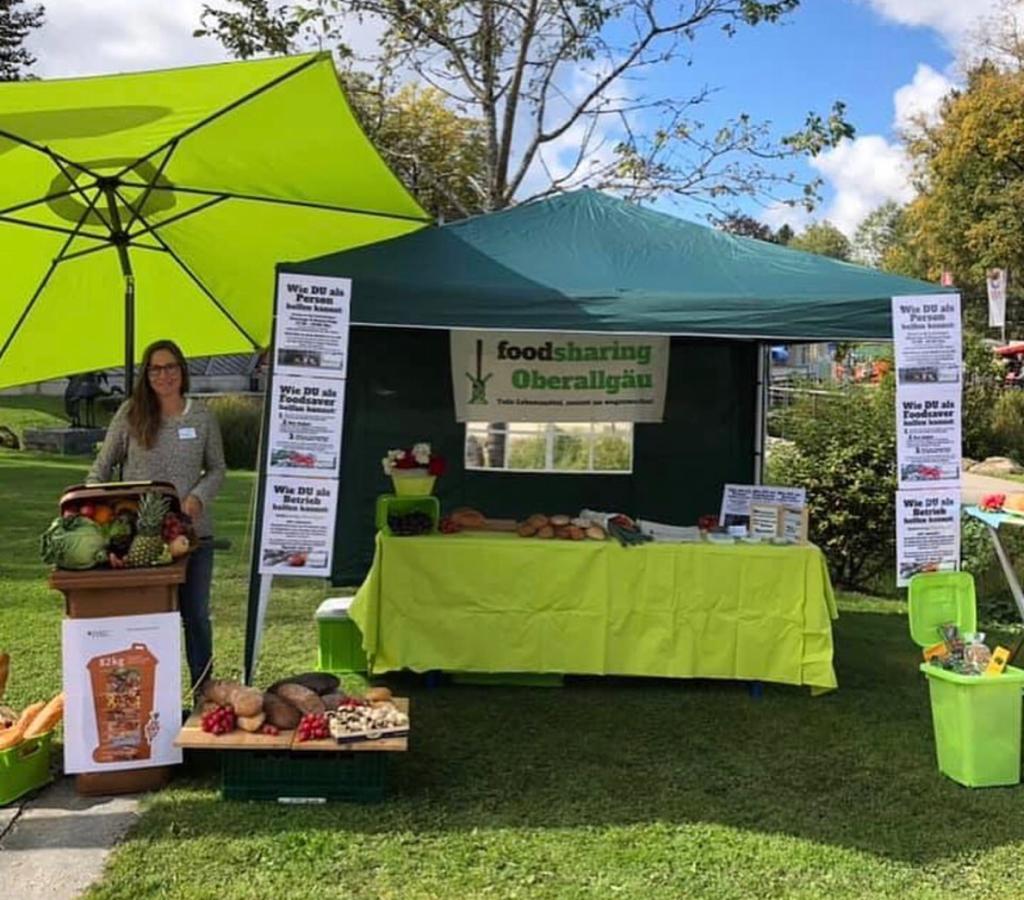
<point x="73" y="542"/>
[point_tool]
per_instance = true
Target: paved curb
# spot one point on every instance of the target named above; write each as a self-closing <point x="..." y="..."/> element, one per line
<point x="56" y="844"/>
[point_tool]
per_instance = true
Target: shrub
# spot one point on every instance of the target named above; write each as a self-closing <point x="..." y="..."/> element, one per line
<point x="844" y="454"/>
<point x="978" y="556"/>
<point x="1008" y="423"/>
<point x="239" y="416"/>
<point x="983" y="386"/>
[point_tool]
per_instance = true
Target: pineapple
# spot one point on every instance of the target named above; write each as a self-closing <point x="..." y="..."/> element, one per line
<point x="147" y="545"/>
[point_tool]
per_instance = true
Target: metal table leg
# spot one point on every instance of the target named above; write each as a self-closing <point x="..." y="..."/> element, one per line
<point x="1011" y="575"/>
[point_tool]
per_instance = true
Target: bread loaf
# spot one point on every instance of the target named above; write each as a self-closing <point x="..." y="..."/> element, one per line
<point x="468" y="518"/>
<point x="252" y="724"/>
<point x="280" y="713"/>
<point x="378" y="693"/>
<point x="47" y="719"/>
<point x="318" y="682"/>
<point x="302" y="698"/>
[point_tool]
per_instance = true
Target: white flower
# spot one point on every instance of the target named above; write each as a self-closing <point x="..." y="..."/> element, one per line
<point x="387" y="464"/>
<point x="421" y="453"/>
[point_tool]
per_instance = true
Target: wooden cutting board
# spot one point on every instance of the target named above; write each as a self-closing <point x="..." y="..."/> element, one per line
<point x="392" y="744"/>
<point x="192" y="737"/>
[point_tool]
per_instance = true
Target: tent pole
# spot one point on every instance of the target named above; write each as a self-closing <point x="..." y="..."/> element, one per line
<point x="760" y="418"/>
<point x="129" y="333"/>
<point x="119" y="238"/>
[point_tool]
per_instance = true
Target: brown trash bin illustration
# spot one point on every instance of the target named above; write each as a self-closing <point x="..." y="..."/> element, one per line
<point x="123" y="687"/>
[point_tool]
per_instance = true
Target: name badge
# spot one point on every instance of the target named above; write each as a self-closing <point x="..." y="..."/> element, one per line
<point x="186" y="434"/>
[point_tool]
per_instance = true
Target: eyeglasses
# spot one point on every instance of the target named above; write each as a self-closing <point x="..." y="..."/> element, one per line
<point x="157" y="371"/>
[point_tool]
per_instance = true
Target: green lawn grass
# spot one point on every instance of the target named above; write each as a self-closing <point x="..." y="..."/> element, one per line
<point x="22" y="411"/>
<point x="605" y="788"/>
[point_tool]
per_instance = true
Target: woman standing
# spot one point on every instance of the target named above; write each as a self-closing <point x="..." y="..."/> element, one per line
<point x="160" y="434"/>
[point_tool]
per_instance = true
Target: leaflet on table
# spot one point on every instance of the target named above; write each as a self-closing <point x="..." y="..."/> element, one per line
<point x="306" y="416"/>
<point x="927" y="337"/>
<point x="311" y="333"/>
<point x="122" y="692"/>
<point x="927" y="532"/>
<point x="737" y="500"/>
<point x="298" y="526"/>
<point x="928" y="437"/>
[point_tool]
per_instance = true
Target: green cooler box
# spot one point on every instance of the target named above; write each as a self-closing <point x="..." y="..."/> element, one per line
<point x="341" y="642"/>
<point x="976" y="718"/>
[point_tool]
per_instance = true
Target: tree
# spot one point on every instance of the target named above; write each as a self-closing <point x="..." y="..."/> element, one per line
<point x="877" y="235"/>
<point x="969" y="170"/>
<point x="743" y="225"/>
<point x="824" y="239"/>
<point x="16" y="25"/>
<point x="557" y="88"/>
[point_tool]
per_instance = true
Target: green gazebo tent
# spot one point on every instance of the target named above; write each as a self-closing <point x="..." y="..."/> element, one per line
<point x="583" y="261"/>
<point x="136" y="207"/>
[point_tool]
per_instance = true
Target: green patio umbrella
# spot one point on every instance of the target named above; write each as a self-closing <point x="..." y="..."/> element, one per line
<point x="156" y="204"/>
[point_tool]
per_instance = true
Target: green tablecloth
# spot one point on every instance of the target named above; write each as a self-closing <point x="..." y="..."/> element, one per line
<point x="475" y="602"/>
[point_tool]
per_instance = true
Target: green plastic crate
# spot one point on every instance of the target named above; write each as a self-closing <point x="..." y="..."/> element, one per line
<point x="304" y="777"/>
<point x="24" y="768"/>
<point x="977" y="724"/>
<point x="340" y="646"/>
<point x="391" y="504"/>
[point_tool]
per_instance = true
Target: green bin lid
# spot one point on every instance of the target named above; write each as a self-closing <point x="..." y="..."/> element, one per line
<point x="937" y="598"/>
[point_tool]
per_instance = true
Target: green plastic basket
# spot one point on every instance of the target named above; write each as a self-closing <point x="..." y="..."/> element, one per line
<point x="304" y="776"/>
<point x="392" y="505"/>
<point x="977" y="724"/>
<point x="24" y="768"/>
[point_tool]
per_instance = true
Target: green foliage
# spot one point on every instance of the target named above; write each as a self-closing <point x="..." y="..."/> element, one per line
<point x="844" y="453"/>
<point x="978" y="556"/>
<point x="983" y="378"/>
<point x="876" y="236"/>
<point x="526" y="453"/>
<point x="824" y="239"/>
<point x="743" y="225"/>
<point x="239" y="417"/>
<point x="1008" y="424"/>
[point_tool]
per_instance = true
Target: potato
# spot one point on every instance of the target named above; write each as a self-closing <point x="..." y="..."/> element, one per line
<point x="526" y="530"/>
<point x="280" y="713"/>
<point x="301" y="697"/>
<point x="546" y="532"/>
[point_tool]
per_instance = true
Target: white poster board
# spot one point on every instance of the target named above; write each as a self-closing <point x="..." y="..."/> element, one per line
<point x="298" y="526"/>
<point x="524" y="376"/>
<point x="737" y="500"/>
<point x="123" y="695"/>
<point x="927" y="532"/>
<point x="306" y="416"/>
<point x="996" y="282"/>
<point x="927" y="335"/>
<point x="311" y="332"/>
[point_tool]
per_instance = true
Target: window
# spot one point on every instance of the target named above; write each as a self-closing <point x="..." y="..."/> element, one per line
<point x="568" y="447"/>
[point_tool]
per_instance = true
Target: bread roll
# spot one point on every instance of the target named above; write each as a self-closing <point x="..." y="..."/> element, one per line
<point x="547" y="531"/>
<point x="1014" y="503"/>
<point x="559" y="521"/>
<point x="538" y="520"/>
<point x="526" y="530"/>
<point x="596" y="533"/>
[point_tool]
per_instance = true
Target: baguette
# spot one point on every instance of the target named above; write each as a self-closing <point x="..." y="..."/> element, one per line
<point x="13" y="736"/>
<point x="47" y="719"/>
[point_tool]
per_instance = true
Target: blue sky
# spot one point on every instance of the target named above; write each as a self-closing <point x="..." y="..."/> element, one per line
<point x="880" y="56"/>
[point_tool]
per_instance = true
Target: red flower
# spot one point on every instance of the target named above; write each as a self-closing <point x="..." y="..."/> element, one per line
<point x="436" y="466"/>
<point x="406" y="462"/>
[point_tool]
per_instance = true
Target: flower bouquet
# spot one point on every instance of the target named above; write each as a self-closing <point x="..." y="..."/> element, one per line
<point x="413" y="470"/>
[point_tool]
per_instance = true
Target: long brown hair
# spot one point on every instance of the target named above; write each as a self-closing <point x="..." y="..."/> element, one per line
<point x="144" y="408"/>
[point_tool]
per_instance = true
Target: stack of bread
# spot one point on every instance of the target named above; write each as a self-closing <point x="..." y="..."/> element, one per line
<point x="560" y="526"/>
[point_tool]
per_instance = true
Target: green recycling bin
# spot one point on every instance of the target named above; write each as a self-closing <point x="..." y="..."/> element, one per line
<point x="976" y="718"/>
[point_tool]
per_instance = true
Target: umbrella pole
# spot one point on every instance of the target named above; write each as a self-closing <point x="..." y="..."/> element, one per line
<point x="129" y="332"/>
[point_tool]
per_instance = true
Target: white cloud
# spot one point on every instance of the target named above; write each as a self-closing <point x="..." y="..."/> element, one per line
<point x="865" y="172"/>
<point x="92" y="37"/>
<point x="954" y="20"/>
<point x="920" y="99"/>
<point x="778" y="214"/>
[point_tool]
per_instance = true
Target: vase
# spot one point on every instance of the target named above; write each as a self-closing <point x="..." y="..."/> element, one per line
<point x="412" y="482"/>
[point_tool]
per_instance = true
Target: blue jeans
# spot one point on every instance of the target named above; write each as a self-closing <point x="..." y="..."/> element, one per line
<point x="194" y="602"/>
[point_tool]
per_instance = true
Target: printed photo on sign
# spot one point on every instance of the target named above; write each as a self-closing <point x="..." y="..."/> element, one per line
<point x="306" y="416"/>
<point x="927" y="532"/>
<point x="928" y="437"/>
<point x="514" y="376"/>
<point x="122" y="686"/>
<point x="298" y="526"/>
<point x="311" y="334"/>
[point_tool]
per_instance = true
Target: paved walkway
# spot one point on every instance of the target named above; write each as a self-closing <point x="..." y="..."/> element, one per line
<point x="974" y="487"/>
<point x="56" y="844"/>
